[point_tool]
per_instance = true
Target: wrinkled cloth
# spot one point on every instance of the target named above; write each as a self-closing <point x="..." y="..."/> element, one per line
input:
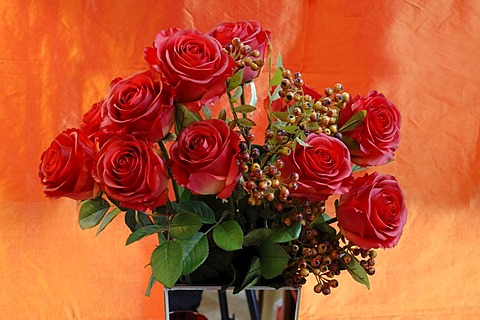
<point x="58" y="58"/>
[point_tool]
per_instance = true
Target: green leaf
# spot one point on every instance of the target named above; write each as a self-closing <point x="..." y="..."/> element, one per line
<point x="143" y="232"/>
<point x="281" y="115"/>
<point x="302" y="143"/>
<point x="351" y="143"/>
<point x="222" y="115"/>
<point x="207" y="112"/>
<point x="244" y="122"/>
<point x="277" y="78"/>
<point x="151" y="282"/>
<point x="92" y="212"/>
<point x="184" y="225"/>
<point x="286" y="234"/>
<point x="289" y="128"/>
<point x="354" y="121"/>
<point x="257" y="237"/>
<point x="185" y="194"/>
<point x="253" y="275"/>
<point x="279" y="63"/>
<point x="200" y="208"/>
<point x="273" y="259"/>
<point x="135" y="219"/>
<point x="228" y="235"/>
<point x="357" y="168"/>
<point x="253" y="93"/>
<point x="245" y="108"/>
<point x="357" y="272"/>
<point x="236" y="94"/>
<point x="195" y="252"/>
<point x="108" y="218"/>
<point x="235" y="80"/>
<point x="184" y="117"/>
<point x="324" y="227"/>
<point x="166" y="260"/>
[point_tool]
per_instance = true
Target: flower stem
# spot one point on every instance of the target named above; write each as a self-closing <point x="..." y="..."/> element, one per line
<point x="242" y="129"/>
<point x="332" y="220"/>
<point x="174" y="183"/>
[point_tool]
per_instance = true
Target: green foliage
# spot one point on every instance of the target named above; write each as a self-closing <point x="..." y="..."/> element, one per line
<point x="199" y="208"/>
<point x="195" y="252"/>
<point x="143" y="232"/>
<point x="166" y="260"/>
<point x="185" y="225"/>
<point x="108" y="218"/>
<point x="245" y="108"/>
<point x="235" y="80"/>
<point x="283" y="235"/>
<point x="355" y="121"/>
<point x="228" y="235"/>
<point x="257" y="237"/>
<point x="92" y="212"/>
<point x="184" y="117"/>
<point x="245" y="122"/>
<point x="357" y="272"/>
<point x="151" y="282"/>
<point x="252" y="277"/>
<point x="273" y="259"/>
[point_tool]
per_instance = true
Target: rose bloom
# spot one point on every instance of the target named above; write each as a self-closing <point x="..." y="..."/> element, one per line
<point x="250" y="33"/>
<point x="131" y="172"/>
<point x="193" y="63"/>
<point x="373" y="213"/>
<point x="324" y="168"/>
<point x="379" y="135"/>
<point x="141" y="105"/>
<point x="203" y="159"/>
<point x="66" y="166"/>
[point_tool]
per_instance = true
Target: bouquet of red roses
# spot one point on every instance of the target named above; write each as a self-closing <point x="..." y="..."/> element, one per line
<point x="227" y="209"/>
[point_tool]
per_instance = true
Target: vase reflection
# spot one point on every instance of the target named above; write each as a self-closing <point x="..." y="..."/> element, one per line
<point x="212" y="303"/>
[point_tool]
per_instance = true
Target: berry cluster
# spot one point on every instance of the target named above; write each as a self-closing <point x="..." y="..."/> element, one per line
<point x="320" y="253"/>
<point x="262" y="182"/>
<point x="243" y="55"/>
<point x="315" y="252"/>
<point x="310" y="115"/>
<point x="368" y="261"/>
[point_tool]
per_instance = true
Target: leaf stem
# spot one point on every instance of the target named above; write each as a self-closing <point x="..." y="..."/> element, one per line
<point x="242" y="129"/>
<point x="332" y="220"/>
<point x="174" y="183"/>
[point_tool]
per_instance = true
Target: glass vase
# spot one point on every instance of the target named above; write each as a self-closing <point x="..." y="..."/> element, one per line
<point x="212" y="302"/>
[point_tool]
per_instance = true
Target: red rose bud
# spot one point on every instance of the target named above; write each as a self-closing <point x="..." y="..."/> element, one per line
<point x="203" y="159"/>
<point x="193" y="63"/>
<point x="250" y="33"/>
<point x="379" y="135"/>
<point x="132" y="173"/>
<point x="373" y="213"/>
<point x="141" y="105"/>
<point x="66" y="166"/>
<point x="323" y="168"/>
<point x="92" y="119"/>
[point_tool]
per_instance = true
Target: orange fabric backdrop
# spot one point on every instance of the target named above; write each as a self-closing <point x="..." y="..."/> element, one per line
<point x="58" y="57"/>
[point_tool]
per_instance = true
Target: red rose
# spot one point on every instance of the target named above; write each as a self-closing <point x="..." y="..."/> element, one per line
<point x="92" y="119"/>
<point x="132" y="173"/>
<point x="66" y="166"/>
<point x="324" y="168"/>
<point x="193" y="63"/>
<point x="203" y="159"/>
<point x="378" y="136"/>
<point x="250" y="33"/>
<point x="141" y="105"/>
<point x="373" y="213"/>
